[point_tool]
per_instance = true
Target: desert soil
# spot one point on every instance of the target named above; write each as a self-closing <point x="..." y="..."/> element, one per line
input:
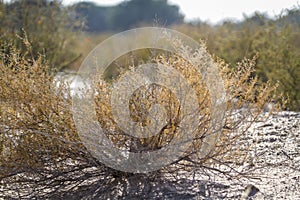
<point x="274" y="162"/>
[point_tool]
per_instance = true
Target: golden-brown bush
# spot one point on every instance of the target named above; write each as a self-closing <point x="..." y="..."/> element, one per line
<point x="40" y="146"/>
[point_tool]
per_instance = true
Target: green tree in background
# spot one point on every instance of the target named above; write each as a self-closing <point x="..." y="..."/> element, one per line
<point x="135" y="12"/>
<point x="127" y="14"/>
<point x="96" y="17"/>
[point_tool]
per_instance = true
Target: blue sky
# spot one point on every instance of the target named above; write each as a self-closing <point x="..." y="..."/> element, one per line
<point x="216" y="10"/>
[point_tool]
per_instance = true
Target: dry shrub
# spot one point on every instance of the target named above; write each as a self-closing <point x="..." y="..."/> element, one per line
<point x="148" y="95"/>
<point x="35" y="115"/>
<point x="246" y="100"/>
<point x="40" y="147"/>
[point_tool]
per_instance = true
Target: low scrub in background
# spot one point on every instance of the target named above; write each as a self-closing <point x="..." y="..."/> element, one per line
<point x="275" y="41"/>
<point x="52" y="31"/>
<point x="47" y="25"/>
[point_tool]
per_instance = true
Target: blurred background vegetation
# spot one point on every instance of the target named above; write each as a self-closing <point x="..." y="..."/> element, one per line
<point x="64" y="35"/>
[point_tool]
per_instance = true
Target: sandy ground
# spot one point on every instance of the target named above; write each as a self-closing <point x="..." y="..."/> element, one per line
<point x="273" y="162"/>
<point x="278" y="148"/>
